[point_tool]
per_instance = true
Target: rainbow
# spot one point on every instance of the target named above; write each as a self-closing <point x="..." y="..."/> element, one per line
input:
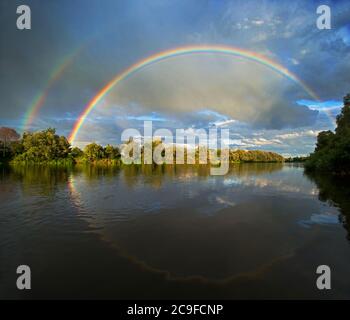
<point x="181" y="51"/>
<point x="41" y="97"/>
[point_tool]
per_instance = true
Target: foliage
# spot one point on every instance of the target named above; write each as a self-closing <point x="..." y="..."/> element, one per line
<point x="332" y="152"/>
<point x="111" y="152"/>
<point x="76" y="153"/>
<point x="254" y="156"/>
<point x="43" y="146"/>
<point x="93" y="152"/>
<point x="296" y="159"/>
<point x="49" y="148"/>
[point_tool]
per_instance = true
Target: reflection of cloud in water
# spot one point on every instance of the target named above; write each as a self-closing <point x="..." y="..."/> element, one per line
<point x="212" y="193"/>
<point x="140" y="204"/>
<point x="320" y="219"/>
<point x="232" y="181"/>
<point x="215" y="204"/>
<point x="225" y="202"/>
<point x="275" y="185"/>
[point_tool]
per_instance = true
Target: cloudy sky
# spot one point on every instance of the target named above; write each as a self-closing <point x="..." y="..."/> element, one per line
<point x="75" y="47"/>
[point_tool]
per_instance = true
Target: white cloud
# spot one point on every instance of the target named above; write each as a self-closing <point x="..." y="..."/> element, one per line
<point x="299" y="134"/>
<point x="262" y="141"/>
<point x="224" y="123"/>
<point x="257" y="22"/>
<point x="294" y="61"/>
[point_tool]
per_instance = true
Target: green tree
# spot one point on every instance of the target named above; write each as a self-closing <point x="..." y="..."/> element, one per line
<point x="325" y="139"/>
<point x="343" y="119"/>
<point x="93" y="152"/>
<point x="332" y="152"/>
<point x="111" y="152"/>
<point x="43" y="146"/>
<point x="76" y="153"/>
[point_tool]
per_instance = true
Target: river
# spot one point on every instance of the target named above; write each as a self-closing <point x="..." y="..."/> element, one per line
<point x="260" y="231"/>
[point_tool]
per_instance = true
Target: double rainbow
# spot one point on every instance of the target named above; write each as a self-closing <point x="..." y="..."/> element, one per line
<point x="181" y="51"/>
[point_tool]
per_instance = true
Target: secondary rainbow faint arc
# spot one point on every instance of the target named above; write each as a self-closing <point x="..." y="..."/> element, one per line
<point x="55" y="75"/>
<point x="180" y="51"/>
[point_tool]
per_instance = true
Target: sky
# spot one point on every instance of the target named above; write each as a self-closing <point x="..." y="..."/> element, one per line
<point x="76" y="47"/>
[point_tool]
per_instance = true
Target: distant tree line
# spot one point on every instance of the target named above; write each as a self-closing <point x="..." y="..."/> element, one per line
<point x="254" y="156"/>
<point x="332" y="152"/>
<point x="48" y="147"/>
<point x="296" y="159"/>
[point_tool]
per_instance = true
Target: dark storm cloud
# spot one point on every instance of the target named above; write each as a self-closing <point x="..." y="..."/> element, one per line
<point x="287" y="116"/>
<point x="114" y="35"/>
<point x="286" y="30"/>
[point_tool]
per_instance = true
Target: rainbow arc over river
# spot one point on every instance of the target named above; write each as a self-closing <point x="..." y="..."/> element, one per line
<point x="181" y="51"/>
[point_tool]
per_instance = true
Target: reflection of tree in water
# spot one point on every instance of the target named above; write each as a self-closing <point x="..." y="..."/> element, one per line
<point x="94" y="172"/>
<point x="336" y="191"/>
<point x="46" y="179"/>
<point x="155" y="175"/>
<point x="39" y="180"/>
<point x="255" y="168"/>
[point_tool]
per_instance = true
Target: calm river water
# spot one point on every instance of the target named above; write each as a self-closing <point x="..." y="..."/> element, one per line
<point x="173" y="232"/>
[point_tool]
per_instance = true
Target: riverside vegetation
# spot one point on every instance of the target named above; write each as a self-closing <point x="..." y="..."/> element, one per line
<point x="332" y="152"/>
<point x="46" y="147"/>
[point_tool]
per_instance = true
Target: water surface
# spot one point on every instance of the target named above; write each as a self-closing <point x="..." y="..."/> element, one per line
<point x="173" y="232"/>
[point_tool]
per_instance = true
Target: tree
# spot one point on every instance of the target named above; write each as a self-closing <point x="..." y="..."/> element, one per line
<point x="44" y="146"/>
<point x="324" y="140"/>
<point x="93" y="152"/>
<point x="111" y="152"/>
<point x="254" y="156"/>
<point x="343" y="119"/>
<point x="7" y="135"/>
<point x="76" y="152"/>
<point x="332" y="152"/>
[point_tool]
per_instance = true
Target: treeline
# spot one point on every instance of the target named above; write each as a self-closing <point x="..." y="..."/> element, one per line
<point x="332" y="152"/>
<point x="296" y="159"/>
<point x="254" y="156"/>
<point x="48" y="147"/>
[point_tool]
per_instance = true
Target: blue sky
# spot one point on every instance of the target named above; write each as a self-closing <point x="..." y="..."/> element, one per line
<point x="261" y="109"/>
